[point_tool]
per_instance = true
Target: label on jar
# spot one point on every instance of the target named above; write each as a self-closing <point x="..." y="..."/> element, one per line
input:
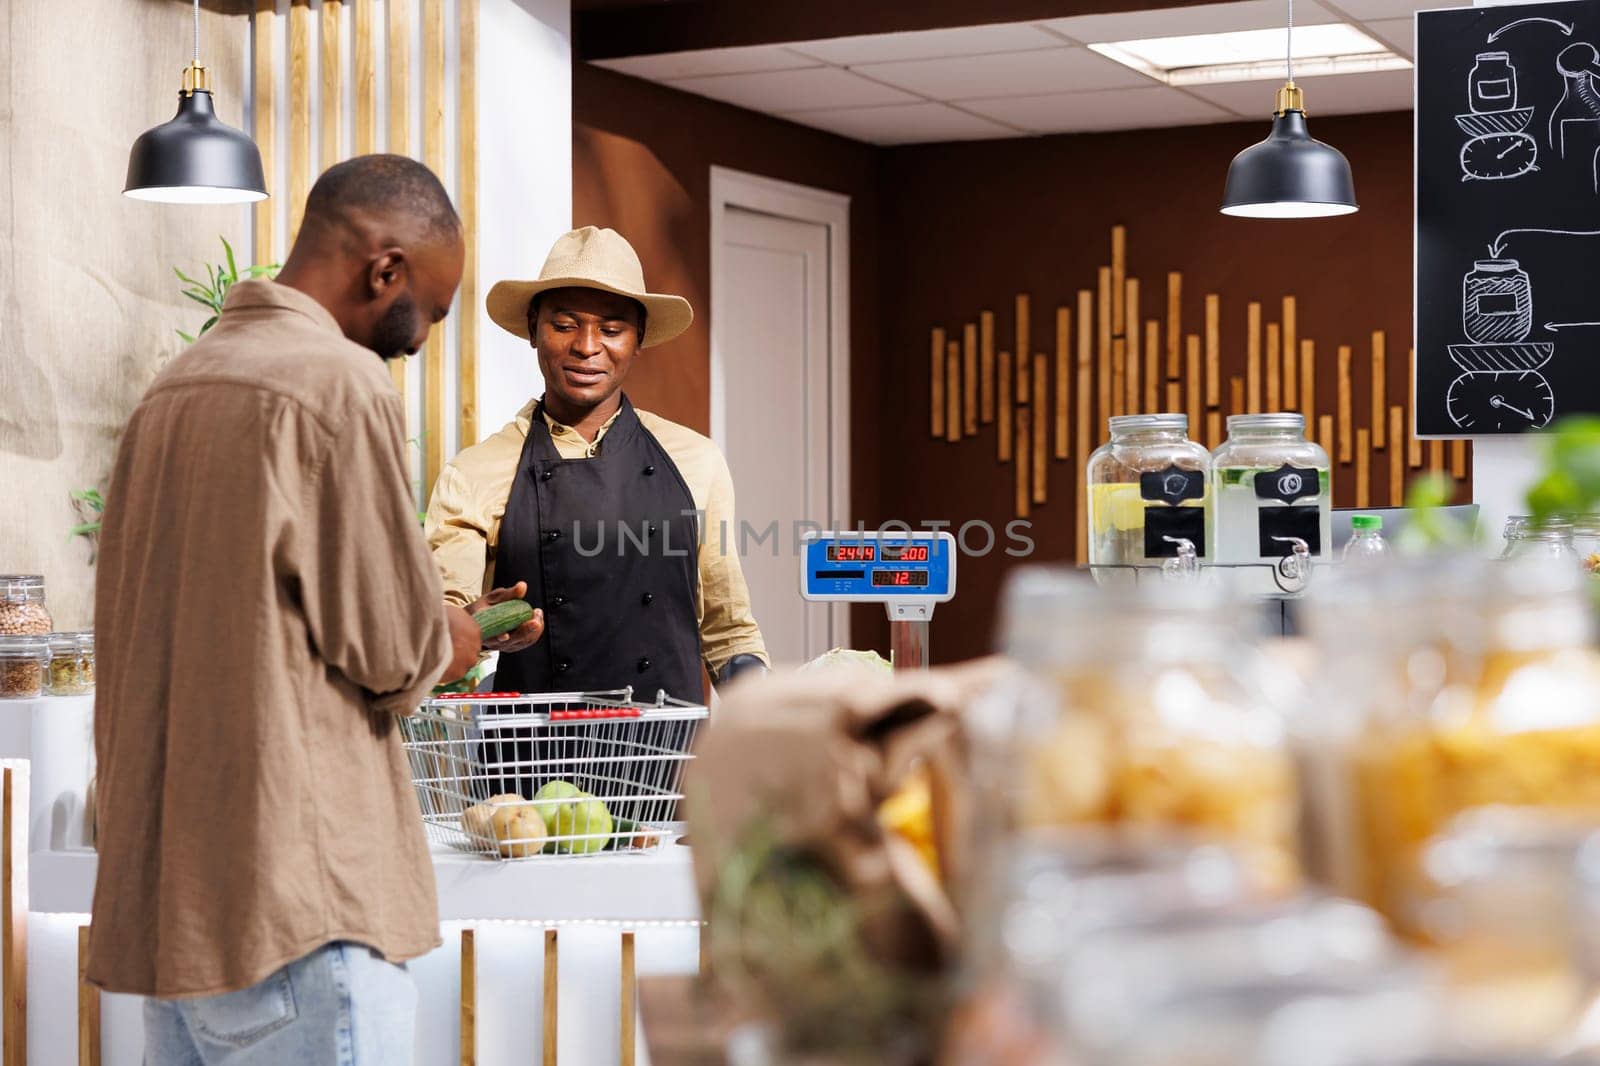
<point x="1304" y="522"/>
<point x="1172" y="486"/>
<point x="1288" y="483"/>
<point x="1185" y="523"/>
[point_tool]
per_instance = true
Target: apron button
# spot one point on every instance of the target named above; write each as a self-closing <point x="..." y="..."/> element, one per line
<point x="647" y="598"/>
<point x="644" y="664"/>
<point x="563" y="666"/>
<point x="552" y="536"/>
<point x="649" y="471"/>
<point x="547" y="475"/>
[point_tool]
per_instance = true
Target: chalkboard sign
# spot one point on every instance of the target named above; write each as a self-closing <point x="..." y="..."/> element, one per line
<point x="1508" y="217"/>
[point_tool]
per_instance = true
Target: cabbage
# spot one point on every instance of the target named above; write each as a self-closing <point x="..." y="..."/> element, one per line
<point x="849" y="659"/>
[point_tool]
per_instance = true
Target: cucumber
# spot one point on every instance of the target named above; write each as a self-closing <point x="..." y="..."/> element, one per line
<point x="502" y="618"/>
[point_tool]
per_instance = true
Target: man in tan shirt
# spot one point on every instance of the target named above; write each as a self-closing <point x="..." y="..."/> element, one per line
<point x="266" y="606"/>
<point x="620" y="522"/>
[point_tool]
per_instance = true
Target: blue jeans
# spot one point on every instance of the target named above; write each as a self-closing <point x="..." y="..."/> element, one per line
<point x="341" y="1005"/>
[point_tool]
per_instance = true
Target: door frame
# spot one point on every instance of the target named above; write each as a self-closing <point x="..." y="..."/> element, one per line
<point x="783" y="199"/>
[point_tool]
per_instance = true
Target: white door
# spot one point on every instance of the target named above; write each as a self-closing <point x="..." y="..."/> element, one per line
<point x="774" y="420"/>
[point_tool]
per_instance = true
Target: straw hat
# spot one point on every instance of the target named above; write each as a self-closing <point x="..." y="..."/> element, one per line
<point x="591" y="258"/>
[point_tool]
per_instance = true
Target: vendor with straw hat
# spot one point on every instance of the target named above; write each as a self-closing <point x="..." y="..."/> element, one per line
<point x="613" y="517"/>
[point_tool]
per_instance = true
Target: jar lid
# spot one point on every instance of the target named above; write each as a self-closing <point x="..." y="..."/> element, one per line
<point x="63" y="642"/>
<point x="14" y="647"/>
<point x="1291" y="421"/>
<point x="1145" y="423"/>
<point x="14" y="583"/>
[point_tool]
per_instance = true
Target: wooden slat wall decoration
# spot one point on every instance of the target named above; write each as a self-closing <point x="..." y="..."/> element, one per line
<point x="266" y="16"/>
<point x="88" y="1006"/>
<point x="952" y="391"/>
<point x="399" y="103"/>
<point x="433" y="355"/>
<point x="1308" y="380"/>
<point x="331" y="74"/>
<point x="469" y="998"/>
<point x="1413" y="445"/>
<point x="1102" y="349"/>
<point x="1274" y="401"/>
<point x="1436" y="456"/>
<point x="467" y="201"/>
<point x="1174" y="324"/>
<point x="1023" y="464"/>
<point x="14" y="915"/>
<point x="1152" y="367"/>
<point x="1325" y="433"/>
<point x="1003" y="437"/>
<point x="1213" y="350"/>
<point x="1397" y="456"/>
<point x="986" y="366"/>
<point x="1363" y="467"/>
<point x="1252" y="358"/>
<point x="299" y="111"/>
<point x="1063" y="376"/>
<point x="1236" y="395"/>
<point x="1024" y="330"/>
<point x="969" y="379"/>
<point x="630" y="992"/>
<point x="1088" y="430"/>
<point x="1346" y="434"/>
<point x="552" y="978"/>
<point x="1175" y="404"/>
<point x="1086" y="433"/>
<point x="1119" y="376"/>
<point x="936" y="374"/>
<point x="1041" y="426"/>
<point x="1213" y="430"/>
<point x="1131" y="321"/>
<point x="1458" y="459"/>
<point x="1193" y="382"/>
<point x="1119" y="275"/>
<point x="1380" y="401"/>
<point x="366" y="116"/>
<point x="1291" y="352"/>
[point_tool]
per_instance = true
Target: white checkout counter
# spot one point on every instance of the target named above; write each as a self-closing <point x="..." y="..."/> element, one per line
<point x="591" y="902"/>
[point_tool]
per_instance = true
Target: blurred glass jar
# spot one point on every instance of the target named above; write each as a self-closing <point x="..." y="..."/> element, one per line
<point x="1148" y="709"/>
<point x="1511" y="532"/>
<point x="1549" y="538"/>
<point x="1449" y="685"/>
<point x="1149" y="491"/>
<point x="1586" y="541"/>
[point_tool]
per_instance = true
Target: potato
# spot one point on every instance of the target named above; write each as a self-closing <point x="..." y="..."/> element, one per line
<point x="509" y="820"/>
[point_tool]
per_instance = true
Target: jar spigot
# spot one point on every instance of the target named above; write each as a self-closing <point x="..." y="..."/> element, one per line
<point x="1185" y="566"/>
<point x="1295" y="566"/>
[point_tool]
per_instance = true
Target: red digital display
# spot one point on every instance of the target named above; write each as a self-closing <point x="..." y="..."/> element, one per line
<point x="906" y="553"/>
<point x="899" y="579"/>
<point x="852" y="553"/>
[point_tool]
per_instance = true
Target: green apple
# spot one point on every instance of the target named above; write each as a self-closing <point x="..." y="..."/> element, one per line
<point x="584" y="816"/>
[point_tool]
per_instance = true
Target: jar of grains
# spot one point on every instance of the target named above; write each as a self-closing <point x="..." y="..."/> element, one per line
<point x="22" y="609"/>
<point x="69" y="671"/>
<point x="24" y="661"/>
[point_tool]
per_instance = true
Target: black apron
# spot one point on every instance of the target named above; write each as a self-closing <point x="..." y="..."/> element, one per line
<point x="608" y="546"/>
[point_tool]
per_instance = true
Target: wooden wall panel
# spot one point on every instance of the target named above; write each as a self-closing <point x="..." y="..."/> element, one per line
<point x="1102" y="348"/>
<point x="1088" y="429"/>
<point x="1194" y="385"/>
<point x="1308" y="380"/>
<point x="331" y="74"/>
<point x="366" y="58"/>
<point x="266" y="16"/>
<point x="1397" y="458"/>
<point x="1174" y="324"/>
<point x="1135" y="370"/>
<point x="1041" y="426"/>
<point x="299" y="111"/>
<point x="1380" y="400"/>
<point x="433" y="356"/>
<point x="469" y="998"/>
<point x="1024" y="452"/>
<point x="1291" y="353"/>
<point x="986" y="366"/>
<point x="467" y="201"/>
<point x="88" y="1006"/>
<point x="936" y="378"/>
<point x="1119" y="275"/>
<point x="1363" y="450"/>
<point x="1213" y="350"/>
<point x="1274" y="398"/>
<point x="1152" y="366"/>
<point x="1346" y="430"/>
<point x="952" y="391"/>
<point x="1063" y="375"/>
<point x="1024" y="329"/>
<point x="1252" y="358"/>
<point x="969" y="379"/>
<point x="1003" y="436"/>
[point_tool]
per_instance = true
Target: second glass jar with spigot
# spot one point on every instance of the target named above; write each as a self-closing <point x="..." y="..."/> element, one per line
<point x="1274" y="494"/>
<point x="1149" y="496"/>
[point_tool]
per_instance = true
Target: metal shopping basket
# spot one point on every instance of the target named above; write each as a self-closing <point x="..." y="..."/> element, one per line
<point x="568" y="773"/>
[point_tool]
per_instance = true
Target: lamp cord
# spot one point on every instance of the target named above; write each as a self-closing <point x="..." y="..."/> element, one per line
<point x="1291" y="40"/>
<point x="197" y="32"/>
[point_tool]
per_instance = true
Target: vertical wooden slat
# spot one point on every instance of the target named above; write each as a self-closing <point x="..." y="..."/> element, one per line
<point x="1274" y="357"/>
<point x="1152" y="367"/>
<point x="969" y="379"/>
<point x="88" y="1006"/>
<point x="1363" y="467"/>
<point x="1213" y="430"/>
<point x="630" y="1012"/>
<point x="266" y="19"/>
<point x="1024" y="334"/>
<point x="1087" y="427"/>
<point x="299" y="111"/>
<point x="1325" y="433"/>
<point x="467" y="200"/>
<point x="1194" y="384"/>
<point x="1346" y="435"/>
<point x="1236" y="395"/>
<point x="952" y="391"/>
<point x="1131" y="321"/>
<point x="1436" y="456"/>
<point x="1413" y="445"/>
<point x="1308" y="380"/>
<point x="1175" y="402"/>
<point x="552" y="978"/>
<point x="1380" y="384"/>
<point x="1004" y="434"/>
<point x="1291" y="355"/>
<point x="469" y="998"/>
<point x="1102" y="350"/>
<point x="1397" y="457"/>
<point x="1252" y="358"/>
<point x="366" y="116"/>
<point x="1041" y="427"/>
<point x="14" y="917"/>
<point x="1458" y="459"/>
<point x="1063" y="376"/>
<point x="332" y="76"/>
<point x="1119" y="375"/>
<point x="936" y="374"/>
<point x="1174" y="324"/>
<point x="1119" y="274"/>
<point x="433" y="155"/>
<point x="986" y="366"/>
<point x="399" y="104"/>
<point x="1023" y="464"/>
<point x="1213" y="350"/>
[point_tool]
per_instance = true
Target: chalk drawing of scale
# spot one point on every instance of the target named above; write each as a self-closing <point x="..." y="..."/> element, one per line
<point x="1500" y="388"/>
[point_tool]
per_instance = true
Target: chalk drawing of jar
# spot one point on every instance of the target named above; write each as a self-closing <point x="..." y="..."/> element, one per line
<point x="1496" y="302"/>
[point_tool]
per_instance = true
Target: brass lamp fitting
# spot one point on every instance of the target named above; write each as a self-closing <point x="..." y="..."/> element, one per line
<point x="1291" y="98"/>
<point x="196" y="78"/>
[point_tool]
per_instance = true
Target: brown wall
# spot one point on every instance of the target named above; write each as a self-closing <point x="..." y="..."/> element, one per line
<point x="942" y="232"/>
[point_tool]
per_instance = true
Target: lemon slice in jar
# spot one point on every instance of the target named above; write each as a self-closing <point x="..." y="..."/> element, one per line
<point x="1117" y="506"/>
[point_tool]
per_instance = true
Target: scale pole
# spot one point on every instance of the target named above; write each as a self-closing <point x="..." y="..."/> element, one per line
<point x="908" y="635"/>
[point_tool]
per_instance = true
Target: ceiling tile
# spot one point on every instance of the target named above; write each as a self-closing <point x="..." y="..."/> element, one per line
<point x="1114" y="109"/>
<point x="815" y="88"/>
<point x="1009" y="74"/>
<point x="929" y="44"/>
<point x="1374" y="10"/>
<point x="903" y="124"/>
<point x="709" y="61"/>
<point x="1179" y="21"/>
<point x="1399" y="34"/>
<point x="1337" y="94"/>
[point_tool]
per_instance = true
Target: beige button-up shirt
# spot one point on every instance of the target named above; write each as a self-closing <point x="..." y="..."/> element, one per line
<point x="265" y="605"/>
<point x="469" y="500"/>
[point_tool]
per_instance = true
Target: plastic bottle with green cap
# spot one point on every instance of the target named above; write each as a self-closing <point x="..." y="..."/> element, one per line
<point x="1366" y="540"/>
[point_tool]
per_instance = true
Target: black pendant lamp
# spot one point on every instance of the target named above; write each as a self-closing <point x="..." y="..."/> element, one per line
<point x="1290" y="174"/>
<point x="196" y="158"/>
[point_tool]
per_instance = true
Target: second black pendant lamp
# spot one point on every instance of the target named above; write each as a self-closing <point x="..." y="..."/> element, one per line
<point x="1290" y="174"/>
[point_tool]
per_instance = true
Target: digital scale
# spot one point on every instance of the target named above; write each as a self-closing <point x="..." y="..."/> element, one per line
<point x="906" y="572"/>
